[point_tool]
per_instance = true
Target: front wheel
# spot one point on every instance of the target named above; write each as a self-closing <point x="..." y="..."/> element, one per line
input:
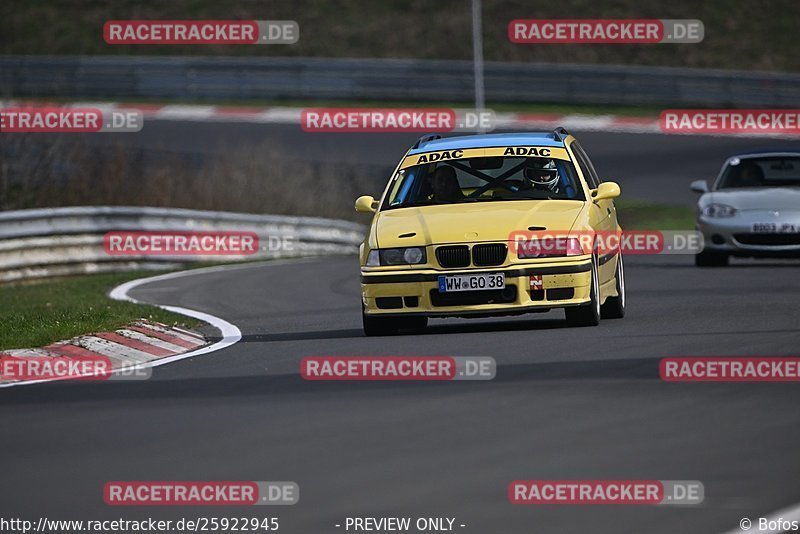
<point x="614" y="307"/>
<point x="588" y="314"/>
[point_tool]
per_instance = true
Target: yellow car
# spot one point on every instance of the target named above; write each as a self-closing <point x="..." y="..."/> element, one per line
<point x="487" y="225"/>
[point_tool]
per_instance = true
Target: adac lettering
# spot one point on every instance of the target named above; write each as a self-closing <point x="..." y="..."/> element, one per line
<point x="440" y="156"/>
<point x="527" y="151"/>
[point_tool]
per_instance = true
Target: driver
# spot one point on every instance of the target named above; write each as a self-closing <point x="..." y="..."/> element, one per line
<point x="750" y="175"/>
<point x="542" y="174"/>
<point x="445" y="186"/>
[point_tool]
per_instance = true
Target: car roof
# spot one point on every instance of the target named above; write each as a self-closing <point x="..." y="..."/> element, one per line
<point x="490" y="140"/>
<point x="766" y="152"/>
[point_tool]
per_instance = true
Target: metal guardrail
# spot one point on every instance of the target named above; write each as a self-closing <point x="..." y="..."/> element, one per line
<point x="63" y="241"/>
<point x="232" y="78"/>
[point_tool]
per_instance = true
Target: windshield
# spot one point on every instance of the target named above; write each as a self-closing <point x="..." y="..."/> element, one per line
<point x="773" y="171"/>
<point x="484" y="179"/>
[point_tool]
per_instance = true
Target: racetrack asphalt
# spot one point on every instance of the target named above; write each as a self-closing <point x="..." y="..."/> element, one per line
<point x="567" y="403"/>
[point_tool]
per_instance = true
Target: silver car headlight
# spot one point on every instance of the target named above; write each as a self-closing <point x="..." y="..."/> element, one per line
<point x="397" y="256"/>
<point x="719" y="210"/>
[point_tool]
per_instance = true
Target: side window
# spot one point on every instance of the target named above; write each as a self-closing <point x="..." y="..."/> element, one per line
<point x="399" y="179"/>
<point x="586" y="165"/>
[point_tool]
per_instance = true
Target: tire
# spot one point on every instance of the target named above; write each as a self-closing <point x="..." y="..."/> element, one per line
<point x="614" y="307"/>
<point x="388" y="326"/>
<point x="709" y="258"/>
<point x="587" y="314"/>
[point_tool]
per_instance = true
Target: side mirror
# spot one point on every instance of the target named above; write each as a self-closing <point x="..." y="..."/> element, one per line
<point x="699" y="186"/>
<point x="605" y="191"/>
<point x="366" y="204"/>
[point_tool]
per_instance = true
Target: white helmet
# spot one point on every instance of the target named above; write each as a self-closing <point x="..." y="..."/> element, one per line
<point x="542" y="173"/>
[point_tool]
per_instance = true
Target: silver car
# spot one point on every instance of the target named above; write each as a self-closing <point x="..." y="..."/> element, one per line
<point x="751" y="210"/>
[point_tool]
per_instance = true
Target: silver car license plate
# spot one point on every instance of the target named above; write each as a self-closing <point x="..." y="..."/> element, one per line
<point x="775" y="228"/>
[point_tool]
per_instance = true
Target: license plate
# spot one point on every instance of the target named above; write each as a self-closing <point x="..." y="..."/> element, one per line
<point x="471" y="282"/>
<point x="775" y="228"/>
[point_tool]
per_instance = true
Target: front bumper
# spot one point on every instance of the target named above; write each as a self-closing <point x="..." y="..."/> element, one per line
<point x="735" y="235"/>
<point x="416" y="291"/>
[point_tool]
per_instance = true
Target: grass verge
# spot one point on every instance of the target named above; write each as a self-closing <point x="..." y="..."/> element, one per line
<point x="33" y="314"/>
<point x="637" y="215"/>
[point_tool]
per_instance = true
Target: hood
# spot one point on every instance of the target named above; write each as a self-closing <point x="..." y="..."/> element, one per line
<point x="762" y="198"/>
<point x="470" y="222"/>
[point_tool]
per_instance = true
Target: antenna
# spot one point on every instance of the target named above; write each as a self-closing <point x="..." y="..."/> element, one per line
<point x="560" y="133"/>
<point x="425" y="138"/>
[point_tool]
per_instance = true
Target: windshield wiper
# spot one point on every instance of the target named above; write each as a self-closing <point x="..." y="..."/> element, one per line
<point x="415" y="204"/>
<point x="477" y="199"/>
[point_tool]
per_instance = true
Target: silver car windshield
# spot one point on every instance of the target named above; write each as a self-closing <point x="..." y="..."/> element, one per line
<point x="768" y="171"/>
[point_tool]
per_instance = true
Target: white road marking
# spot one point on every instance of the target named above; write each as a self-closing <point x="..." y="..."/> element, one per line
<point x="230" y="332"/>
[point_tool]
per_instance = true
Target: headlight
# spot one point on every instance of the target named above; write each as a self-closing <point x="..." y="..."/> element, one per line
<point x="414" y="255"/>
<point x="719" y="210"/>
<point x="373" y="259"/>
<point x="549" y="246"/>
<point x="402" y="256"/>
<point x="396" y="256"/>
